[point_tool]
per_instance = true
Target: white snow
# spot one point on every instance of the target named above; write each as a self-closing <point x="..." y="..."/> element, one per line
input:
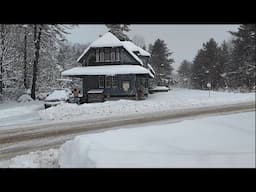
<point x="60" y="95"/>
<point x="131" y="46"/>
<point x="110" y="70"/>
<point x="19" y="113"/>
<point x="106" y="40"/>
<point x="160" y="88"/>
<point x="221" y="141"/>
<point x="165" y="101"/>
<point x="96" y="91"/>
<point x="25" y="98"/>
<point x="38" y="159"/>
<point x="225" y="141"/>
<point x="151" y="68"/>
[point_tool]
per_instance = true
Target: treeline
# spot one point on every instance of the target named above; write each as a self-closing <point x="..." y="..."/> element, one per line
<point x="32" y="57"/>
<point x="230" y="65"/>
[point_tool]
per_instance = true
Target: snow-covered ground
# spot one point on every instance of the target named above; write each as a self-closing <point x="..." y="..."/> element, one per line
<point x="218" y="141"/>
<point x="172" y="100"/>
<point x="13" y="113"/>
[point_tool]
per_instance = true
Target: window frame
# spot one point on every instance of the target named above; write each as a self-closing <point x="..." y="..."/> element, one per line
<point x="102" y="57"/>
<point x="108" y="81"/>
<point x="115" y="83"/>
<point x="117" y="51"/>
<point x="97" y="55"/>
<point x="101" y="81"/>
<point x="107" y="56"/>
<point x="113" y="55"/>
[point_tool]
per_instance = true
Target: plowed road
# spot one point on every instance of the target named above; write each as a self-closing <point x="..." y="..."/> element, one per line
<point x="24" y="139"/>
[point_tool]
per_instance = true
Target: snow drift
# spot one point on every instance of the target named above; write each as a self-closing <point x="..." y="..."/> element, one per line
<point x="175" y="99"/>
<point x="221" y="141"/>
<point x="25" y="98"/>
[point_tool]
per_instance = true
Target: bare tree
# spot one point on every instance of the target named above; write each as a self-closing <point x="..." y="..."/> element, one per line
<point x="139" y="40"/>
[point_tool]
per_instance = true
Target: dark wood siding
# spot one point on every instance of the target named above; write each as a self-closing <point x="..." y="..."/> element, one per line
<point x="91" y="82"/>
<point x="90" y="58"/>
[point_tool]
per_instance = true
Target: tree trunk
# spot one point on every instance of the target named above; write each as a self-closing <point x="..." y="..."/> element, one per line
<point x="25" y="59"/>
<point x="2" y="58"/>
<point x="37" y="38"/>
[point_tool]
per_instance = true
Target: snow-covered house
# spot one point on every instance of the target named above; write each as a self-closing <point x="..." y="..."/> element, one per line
<point x="119" y="68"/>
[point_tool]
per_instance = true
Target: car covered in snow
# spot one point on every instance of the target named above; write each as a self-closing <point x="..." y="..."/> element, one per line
<point x="57" y="97"/>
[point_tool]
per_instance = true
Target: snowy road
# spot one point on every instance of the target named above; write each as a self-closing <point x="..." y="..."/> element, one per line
<point x="49" y="135"/>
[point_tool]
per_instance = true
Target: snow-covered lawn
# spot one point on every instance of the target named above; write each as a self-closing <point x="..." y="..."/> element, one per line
<point x="19" y="113"/>
<point x="174" y="99"/>
<point x="14" y="114"/>
<point x="218" y="141"/>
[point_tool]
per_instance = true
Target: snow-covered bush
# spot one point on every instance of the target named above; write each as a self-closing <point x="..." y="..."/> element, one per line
<point x="42" y="96"/>
<point x="24" y="98"/>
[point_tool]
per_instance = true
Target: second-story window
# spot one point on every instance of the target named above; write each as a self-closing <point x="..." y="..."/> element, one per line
<point x="107" y="54"/>
<point x="117" y="54"/>
<point x="97" y="55"/>
<point x="101" y="55"/>
<point x="113" y="55"/>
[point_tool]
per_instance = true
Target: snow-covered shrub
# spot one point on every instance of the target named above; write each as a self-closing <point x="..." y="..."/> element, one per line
<point x="42" y="96"/>
<point x="25" y="98"/>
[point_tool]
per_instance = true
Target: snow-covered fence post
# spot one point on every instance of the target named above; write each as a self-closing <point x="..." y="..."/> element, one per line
<point x="209" y="87"/>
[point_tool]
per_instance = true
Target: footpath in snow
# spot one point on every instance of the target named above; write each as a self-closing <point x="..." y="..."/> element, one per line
<point x="226" y="141"/>
<point x="172" y="100"/>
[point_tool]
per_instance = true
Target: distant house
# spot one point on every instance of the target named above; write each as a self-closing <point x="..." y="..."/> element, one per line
<point x="113" y="67"/>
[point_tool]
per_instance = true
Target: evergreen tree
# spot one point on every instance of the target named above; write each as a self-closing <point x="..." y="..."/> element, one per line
<point x="225" y="58"/>
<point x="119" y="31"/>
<point x="243" y="57"/>
<point x="207" y="67"/>
<point x="161" y="62"/>
<point x="184" y="73"/>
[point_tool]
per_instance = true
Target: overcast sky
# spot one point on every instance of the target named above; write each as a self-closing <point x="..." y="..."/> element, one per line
<point x="183" y="40"/>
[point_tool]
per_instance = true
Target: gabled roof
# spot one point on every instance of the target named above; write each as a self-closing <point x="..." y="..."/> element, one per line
<point x="130" y="45"/>
<point x="107" y="40"/>
<point x="110" y="40"/>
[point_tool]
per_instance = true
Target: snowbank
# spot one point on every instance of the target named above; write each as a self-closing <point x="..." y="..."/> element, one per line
<point x="14" y="113"/>
<point x="25" y="98"/>
<point x="175" y="99"/>
<point x="44" y="159"/>
<point x="221" y="141"/>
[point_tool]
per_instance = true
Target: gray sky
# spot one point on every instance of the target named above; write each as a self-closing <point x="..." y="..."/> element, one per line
<point x="183" y="40"/>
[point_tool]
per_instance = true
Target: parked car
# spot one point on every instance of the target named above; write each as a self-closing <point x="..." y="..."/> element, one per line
<point x="57" y="97"/>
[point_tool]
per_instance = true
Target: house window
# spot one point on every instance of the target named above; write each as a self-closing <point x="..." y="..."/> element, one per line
<point x="114" y="82"/>
<point x="107" y="54"/>
<point x="101" y="81"/>
<point x="113" y="55"/>
<point x="117" y="54"/>
<point x="126" y="85"/>
<point x="102" y="55"/>
<point x="108" y="81"/>
<point x="97" y="55"/>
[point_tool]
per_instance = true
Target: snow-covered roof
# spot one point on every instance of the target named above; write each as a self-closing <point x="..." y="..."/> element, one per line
<point x="151" y="68"/>
<point x="107" y="40"/>
<point x="110" y="70"/>
<point x="131" y="46"/>
<point x="110" y="40"/>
